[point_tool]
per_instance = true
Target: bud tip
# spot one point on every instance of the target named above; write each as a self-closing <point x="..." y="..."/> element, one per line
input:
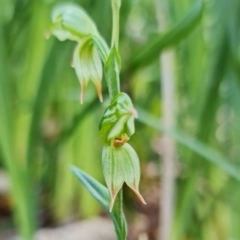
<point x="82" y="96"/>
<point x="134" y="112"/>
<point x="98" y="86"/>
<point x="139" y="196"/>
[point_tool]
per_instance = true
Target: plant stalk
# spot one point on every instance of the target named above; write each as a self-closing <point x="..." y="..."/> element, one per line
<point x="166" y="61"/>
<point x="116" y="4"/>
<point x="119" y="221"/>
<point x="114" y="88"/>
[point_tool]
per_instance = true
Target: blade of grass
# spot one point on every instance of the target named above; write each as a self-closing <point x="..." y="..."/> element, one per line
<point x="19" y="183"/>
<point x="151" y="49"/>
<point x="101" y="194"/>
<point x="69" y="130"/>
<point x="206" y="120"/>
<point x="42" y="92"/>
<point x="192" y="143"/>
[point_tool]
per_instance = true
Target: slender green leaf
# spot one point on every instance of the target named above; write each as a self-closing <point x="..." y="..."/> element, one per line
<point x="21" y="191"/>
<point x="101" y="194"/>
<point x="151" y="49"/>
<point x="206" y="121"/>
<point x="192" y="143"/>
<point x="118" y="217"/>
<point x="97" y="190"/>
<point x="77" y="119"/>
<point x="41" y="98"/>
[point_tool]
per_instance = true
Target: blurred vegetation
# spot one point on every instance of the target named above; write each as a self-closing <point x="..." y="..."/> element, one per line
<point x="44" y="129"/>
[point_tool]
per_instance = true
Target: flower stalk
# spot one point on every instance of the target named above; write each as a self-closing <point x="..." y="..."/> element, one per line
<point x="116" y="4"/>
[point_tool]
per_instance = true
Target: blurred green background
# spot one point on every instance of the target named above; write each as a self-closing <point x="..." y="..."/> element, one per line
<point x="44" y="129"/>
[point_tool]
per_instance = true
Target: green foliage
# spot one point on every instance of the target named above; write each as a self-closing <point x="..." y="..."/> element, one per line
<point x="19" y="182"/>
<point x="151" y="49"/>
<point x="112" y="71"/>
<point x="193" y="144"/>
<point x="41" y="120"/>
<point x="101" y="194"/>
<point x="117" y="125"/>
<point x="6" y="11"/>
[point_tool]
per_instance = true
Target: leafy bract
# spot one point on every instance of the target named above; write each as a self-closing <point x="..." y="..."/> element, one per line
<point x="101" y="194"/>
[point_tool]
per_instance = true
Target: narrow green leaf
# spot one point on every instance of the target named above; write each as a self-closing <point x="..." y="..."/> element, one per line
<point x="97" y="190"/>
<point x="192" y="143"/>
<point x="41" y="96"/>
<point x="20" y="186"/>
<point x="118" y="217"/>
<point x="211" y="99"/>
<point x="151" y="49"/>
<point x="101" y="194"/>
<point x="77" y="119"/>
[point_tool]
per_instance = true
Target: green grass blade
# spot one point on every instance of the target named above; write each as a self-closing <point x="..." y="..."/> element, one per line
<point x="97" y="190"/>
<point x="77" y="119"/>
<point x="18" y="178"/>
<point x="206" y="121"/>
<point x="151" y="49"/>
<point x="193" y="144"/>
<point x="118" y="217"/>
<point x="51" y="71"/>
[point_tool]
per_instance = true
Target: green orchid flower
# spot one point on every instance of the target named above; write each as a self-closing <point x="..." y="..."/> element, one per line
<point x="121" y="165"/>
<point x="118" y="120"/>
<point x="88" y="66"/>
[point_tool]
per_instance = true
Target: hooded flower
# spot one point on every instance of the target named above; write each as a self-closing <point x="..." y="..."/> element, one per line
<point x="121" y="165"/>
<point x="88" y="66"/>
<point x="70" y="21"/>
<point x="118" y="120"/>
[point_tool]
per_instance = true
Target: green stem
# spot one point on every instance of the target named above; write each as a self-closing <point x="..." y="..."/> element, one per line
<point x="112" y="65"/>
<point x="119" y="218"/>
<point x="115" y="27"/>
<point x="112" y="72"/>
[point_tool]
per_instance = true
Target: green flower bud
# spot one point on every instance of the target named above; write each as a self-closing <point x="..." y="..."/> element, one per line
<point x="88" y="66"/>
<point x="121" y="165"/>
<point x="118" y="120"/>
<point x="71" y="22"/>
